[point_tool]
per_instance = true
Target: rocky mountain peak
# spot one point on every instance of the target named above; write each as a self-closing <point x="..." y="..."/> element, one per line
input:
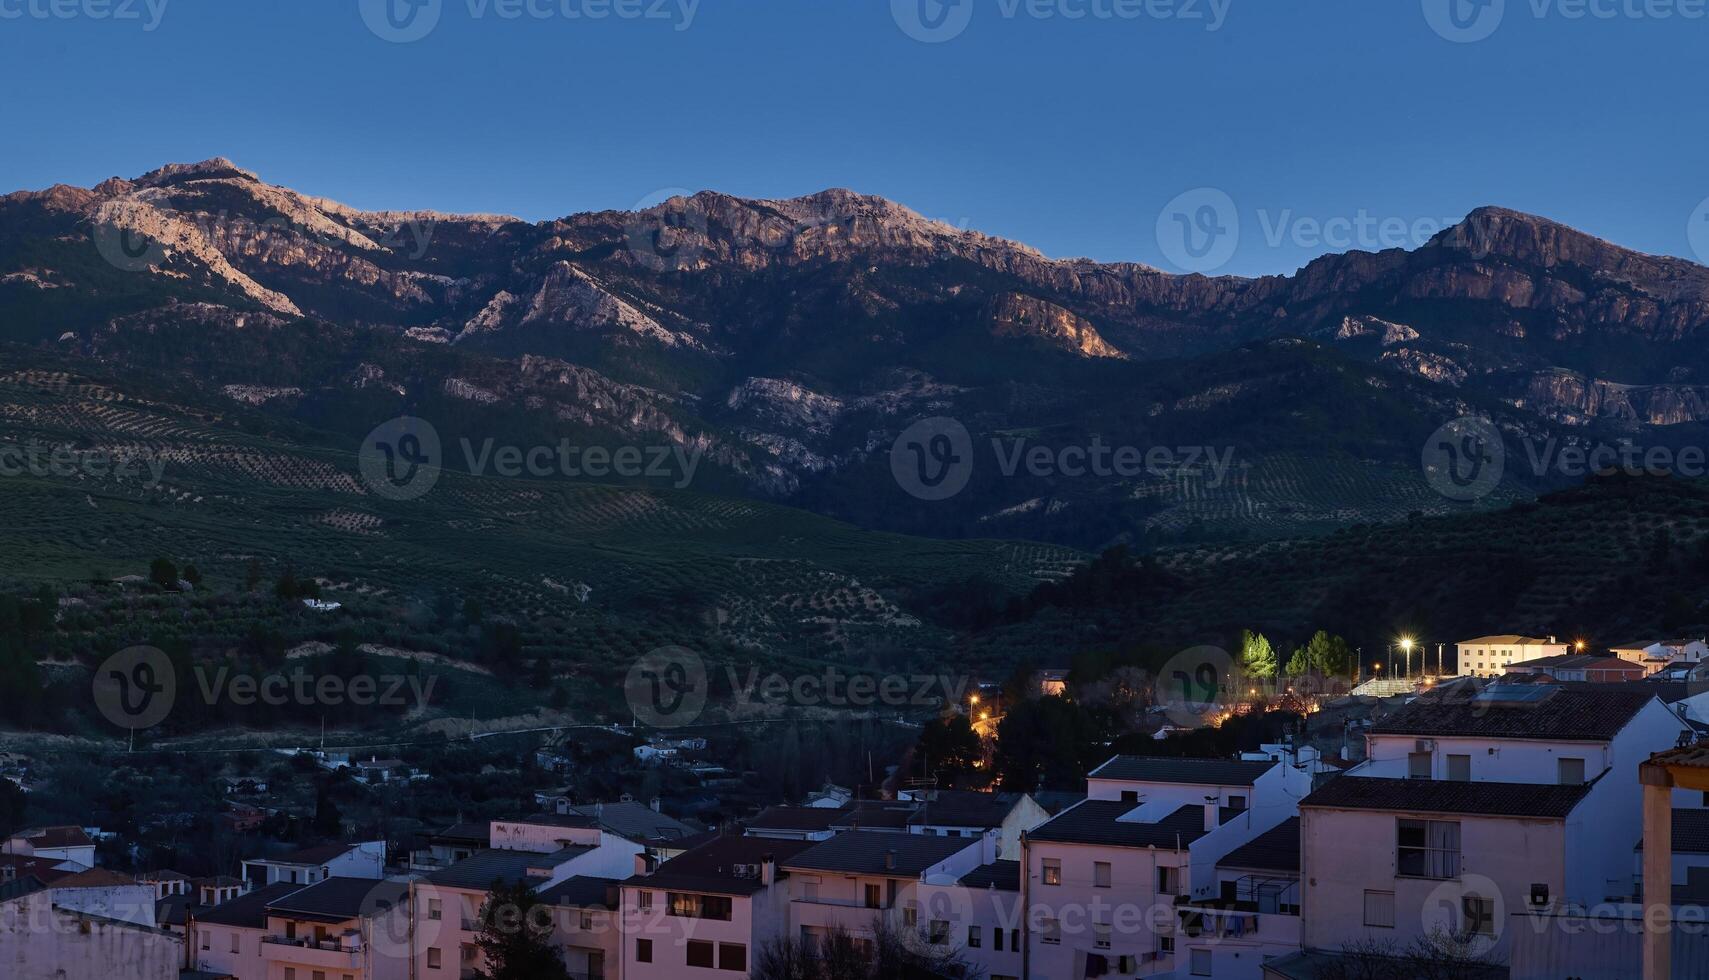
<point x="216" y="167"/>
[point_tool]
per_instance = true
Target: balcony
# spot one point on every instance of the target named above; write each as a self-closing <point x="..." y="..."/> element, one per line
<point x="327" y="954"/>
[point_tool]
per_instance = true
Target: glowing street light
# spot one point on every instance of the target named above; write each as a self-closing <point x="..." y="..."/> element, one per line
<point x="1406" y="647"/>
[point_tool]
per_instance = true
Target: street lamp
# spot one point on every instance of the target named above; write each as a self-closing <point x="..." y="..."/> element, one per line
<point x="1406" y="647"/>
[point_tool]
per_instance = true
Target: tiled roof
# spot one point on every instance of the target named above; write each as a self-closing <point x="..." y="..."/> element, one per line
<point x="963" y="808"/>
<point x="1576" y="661"/>
<point x="339" y="899"/>
<point x="1510" y="640"/>
<point x="808" y="819"/>
<point x="1208" y="772"/>
<point x="317" y="855"/>
<point x="94" y="878"/>
<point x="470" y="830"/>
<point x="635" y="821"/>
<point x="481" y="870"/>
<point x="249" y="911"/>
<point x="581" y="891"/>
<point x="40" y="837"/>
<point x="1099" y="822"/>
<point x="875" y="816"/>
<point x="1542" y="800"/>
<point x="1002" y="875"/>
<point x="1690" y="831"/>
<point x="42" y="868"/>
<point x="880" y="854"/>
<point x="723" y="866"/>
<point x="1580" y="712"/>
<point x="1276" y="849"/>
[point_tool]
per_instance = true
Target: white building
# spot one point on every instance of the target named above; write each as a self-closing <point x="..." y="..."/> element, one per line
<point x="313" y="864"/>
<point x="40" y="940"/>
<point x="1490" y="656"/>
<point x="861" y="877"/>
<point x="337" y="929"/>
<point x="55" y="843"/>
<point x="982" y="913"/>
<point x="1654" y="655"/>
<point x="1485" y="803"/>
<point x="713" y="907"/>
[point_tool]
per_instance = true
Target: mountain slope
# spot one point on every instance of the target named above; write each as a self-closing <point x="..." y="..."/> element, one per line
<point x="793" y="340"/>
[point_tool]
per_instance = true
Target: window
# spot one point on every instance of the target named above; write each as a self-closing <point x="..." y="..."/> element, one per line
<point x="1427" y="848"/>
<point x="206" y="940"/>
<point x="1130" y="796"/>
<point x="973" y="940"/>
<point x="700" y="953"/>
<point x="291" y="972"/>
<point x="1014" y="940"/>
<point x="432" y="963"/>
<point x="996" y="940"/>
<point x="1053" y="871"/>
<point x="687" y="906"/>
<point x="1101" y="935"/>
<point x="319" y="975"/>
<point x="1167" y="880"/>
<point x="1480" y="915"/>
<point x="1379" y="909"/>
<point x="1460" y="768"/>
<point x="872" y="899"/>
<point x="643" y="951"/>
<point x="644" y="900"/>
<point x="1052" y="931"/>
<point x="911" y="916"/>
<point x="236" y="942"/>
<point x="1100" y="874"/>
<point x="733" y="956"/>
<point x="1418" y="765"/>
<point x="1569" y="771"/>
<point x="1236" y="802"/>
<point x="938" y="932"/>
<point x="1201" y="962"/>
<point x="435" y="909"/>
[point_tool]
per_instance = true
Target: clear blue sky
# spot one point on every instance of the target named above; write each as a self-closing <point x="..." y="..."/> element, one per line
<point x="1070" y="134"/>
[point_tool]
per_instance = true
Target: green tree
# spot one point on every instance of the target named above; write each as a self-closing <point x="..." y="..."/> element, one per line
<point x="948" y="750"/>
<point x="516" y="936"/>
<point x="1257" y="657"/>
<point x="1328" y="654"/>
<point x="193" y="575"/>
<point x="163" y="573"/>
<point x="1300" y="663"/>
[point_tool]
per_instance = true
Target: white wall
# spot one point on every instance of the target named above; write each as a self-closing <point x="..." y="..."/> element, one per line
<point x="39" y="943"/>
<point x="127" y="903"/>
<point x="1347" y="852"/>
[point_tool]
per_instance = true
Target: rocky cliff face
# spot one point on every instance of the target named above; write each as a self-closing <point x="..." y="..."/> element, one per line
<point x="792" y="339"/>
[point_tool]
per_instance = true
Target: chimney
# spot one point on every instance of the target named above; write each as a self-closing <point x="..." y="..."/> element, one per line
<point x="655" y="804"/>
<point x="613" y="896"/>
<point x="768" y="869"/>
<point x="1211" y="816"/>
<point x="890" y="859"/>
<point x="643" y="864"/>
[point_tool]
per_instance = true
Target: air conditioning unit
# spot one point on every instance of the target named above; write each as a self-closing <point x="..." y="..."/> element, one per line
<point x="1425" y="745"/>
<point x="1539" y="896"/>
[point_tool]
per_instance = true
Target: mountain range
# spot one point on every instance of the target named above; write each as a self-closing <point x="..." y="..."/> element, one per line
<point x="790" y="341"/>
